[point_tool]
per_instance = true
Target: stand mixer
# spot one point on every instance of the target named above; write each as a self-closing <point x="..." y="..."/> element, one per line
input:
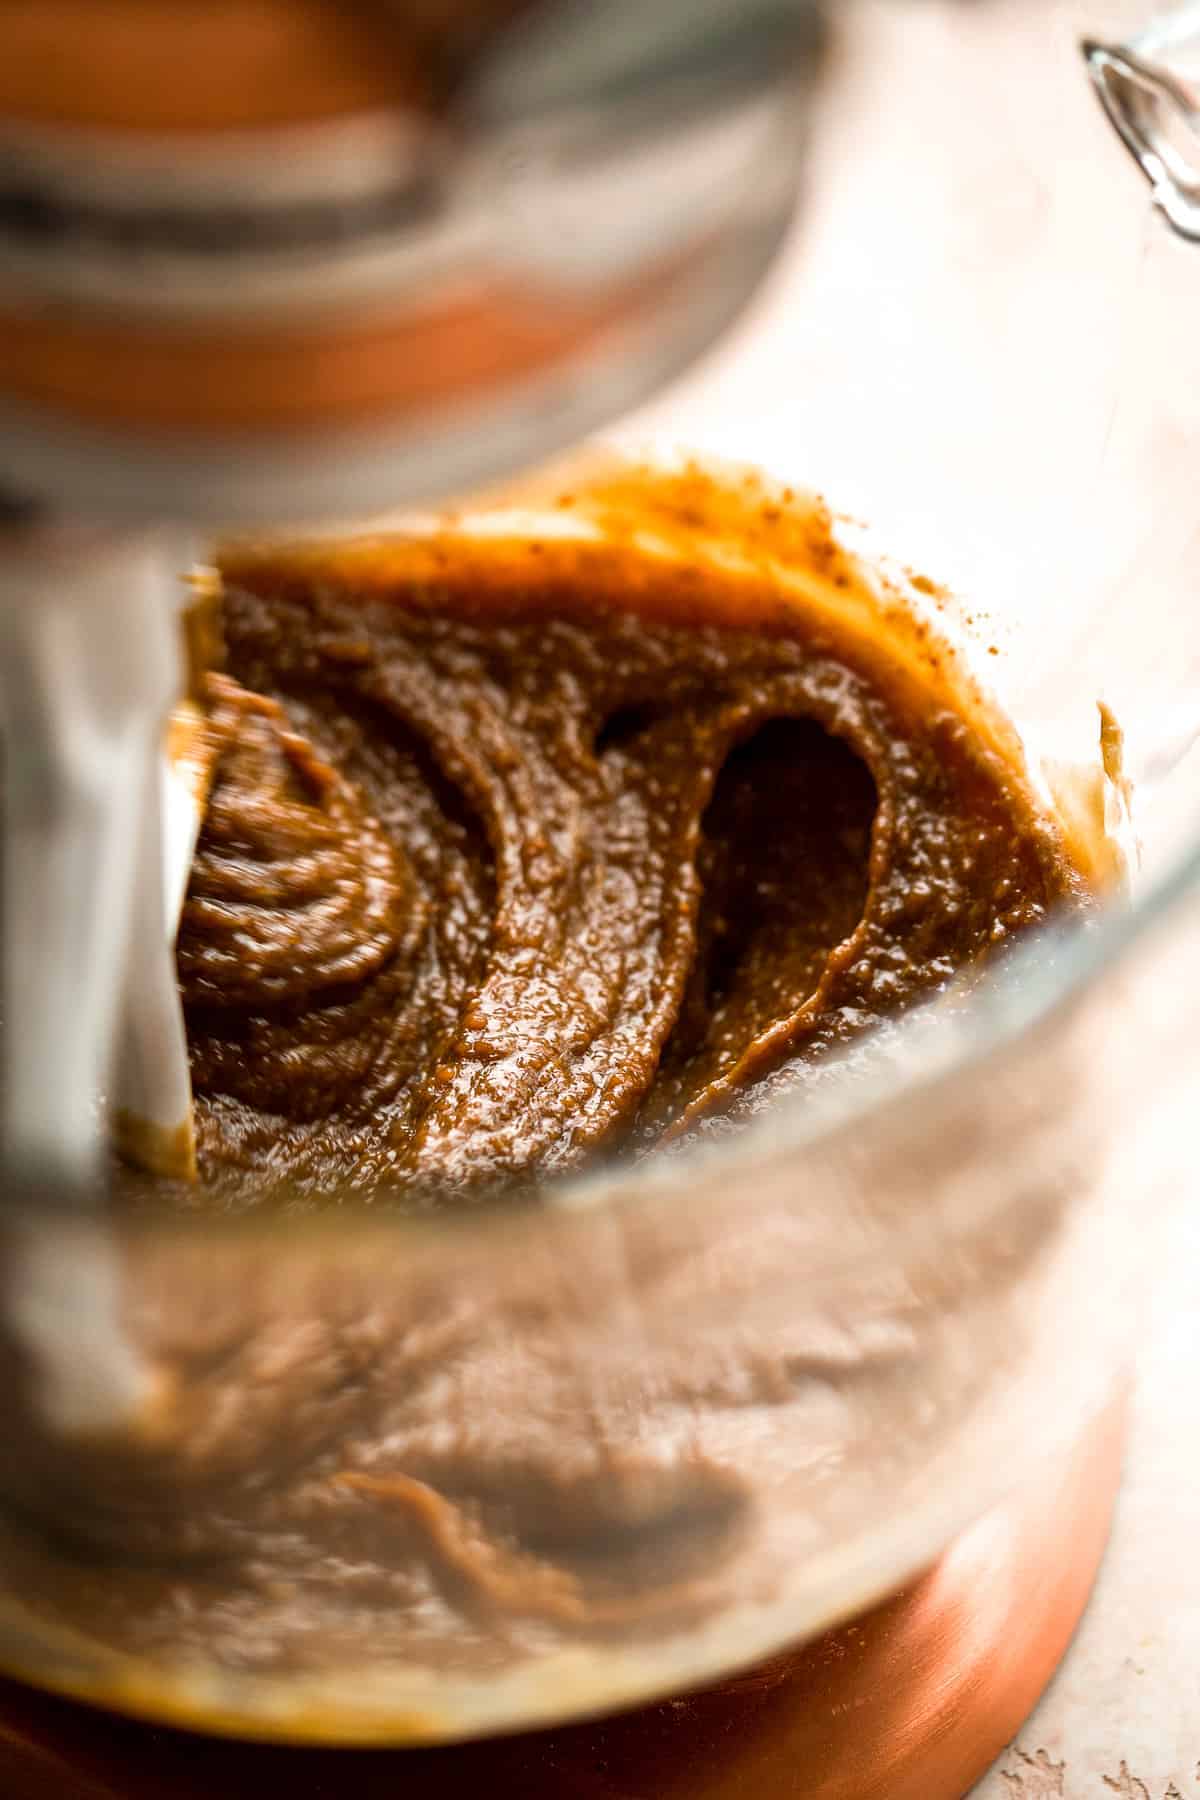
<point x="294" y="260"/>
<point x="291" y="261"/>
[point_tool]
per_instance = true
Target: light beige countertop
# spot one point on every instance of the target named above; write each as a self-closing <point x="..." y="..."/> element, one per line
<point x="1123" y="1716"/>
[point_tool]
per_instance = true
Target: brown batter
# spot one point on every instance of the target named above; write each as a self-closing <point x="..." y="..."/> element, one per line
<point x="514" y="859"/>
<point x="490" y="882"/>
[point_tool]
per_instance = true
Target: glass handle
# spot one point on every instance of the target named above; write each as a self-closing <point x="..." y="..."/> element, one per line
<point x="1149" y="86"/>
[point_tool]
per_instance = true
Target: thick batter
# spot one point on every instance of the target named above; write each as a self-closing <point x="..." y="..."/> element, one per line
<point x="491" y="882"/>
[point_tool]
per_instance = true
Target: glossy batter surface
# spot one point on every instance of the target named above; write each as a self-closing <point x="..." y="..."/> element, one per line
<point x="489" y="884"/>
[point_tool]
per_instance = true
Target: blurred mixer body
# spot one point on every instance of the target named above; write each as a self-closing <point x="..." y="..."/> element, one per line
<point x="290" y="258"/>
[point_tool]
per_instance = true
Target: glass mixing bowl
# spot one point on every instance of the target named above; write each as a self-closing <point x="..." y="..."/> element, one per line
<point x="980" y="344"/>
